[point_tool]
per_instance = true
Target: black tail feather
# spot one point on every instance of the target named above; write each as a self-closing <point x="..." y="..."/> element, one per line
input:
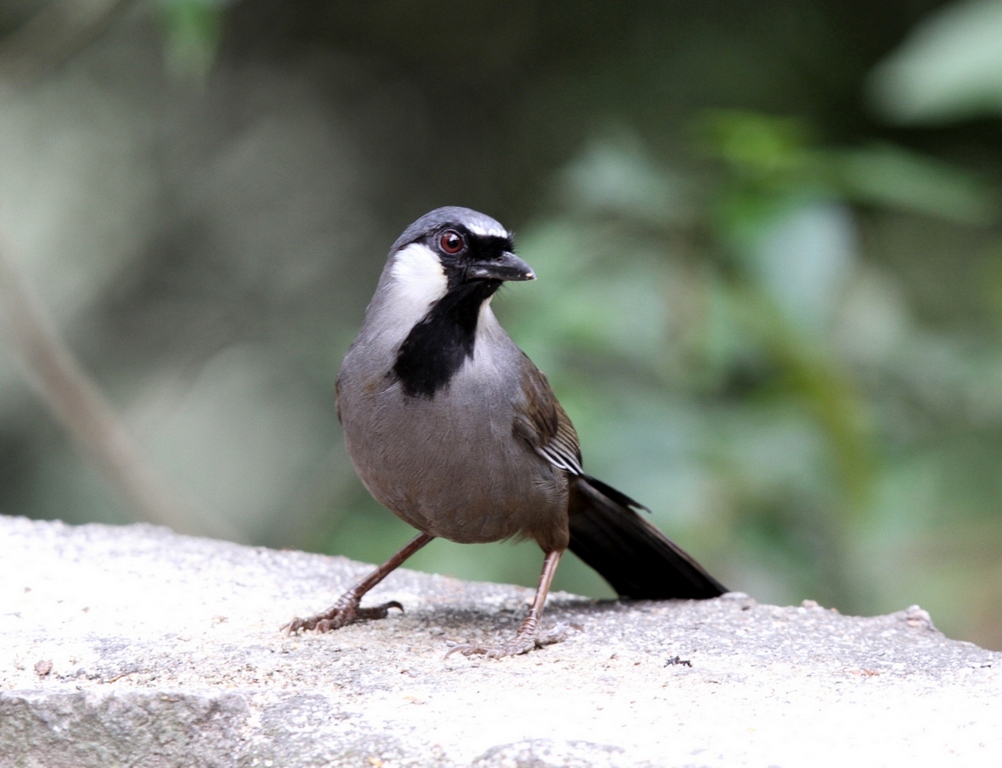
<point x="635" y="558"/>
<point x="611" y="493"/>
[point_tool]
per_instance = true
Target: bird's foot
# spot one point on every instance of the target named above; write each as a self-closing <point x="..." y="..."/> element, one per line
<point x="524" y="641"/>
<point x="343" y="612"/>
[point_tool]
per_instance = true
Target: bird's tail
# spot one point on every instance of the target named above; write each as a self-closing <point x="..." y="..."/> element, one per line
<point x="635" y="558"/>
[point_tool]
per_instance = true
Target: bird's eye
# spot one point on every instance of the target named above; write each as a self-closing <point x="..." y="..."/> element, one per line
<point x="451" y="242"/>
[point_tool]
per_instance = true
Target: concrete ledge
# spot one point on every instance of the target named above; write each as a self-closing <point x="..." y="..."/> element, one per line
<point x="136" y="646"/>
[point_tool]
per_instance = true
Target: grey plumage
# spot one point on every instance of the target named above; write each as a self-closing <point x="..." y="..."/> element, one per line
<point x="452" y="427"/>
<point x="447" y="465"/>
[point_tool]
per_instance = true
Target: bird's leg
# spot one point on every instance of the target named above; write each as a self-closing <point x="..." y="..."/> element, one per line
<point x="528" y="636"/>
<point x="346" y="610"/>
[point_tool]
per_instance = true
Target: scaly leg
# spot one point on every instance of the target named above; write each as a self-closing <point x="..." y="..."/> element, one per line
<point x="528" y="636"/>
<point x="346" y="610"/>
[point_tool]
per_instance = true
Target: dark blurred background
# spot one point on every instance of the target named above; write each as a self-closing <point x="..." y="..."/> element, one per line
<point x="767" y="237"/>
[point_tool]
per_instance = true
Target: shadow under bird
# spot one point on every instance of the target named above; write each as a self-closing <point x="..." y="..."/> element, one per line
<point x="452" y="427"/>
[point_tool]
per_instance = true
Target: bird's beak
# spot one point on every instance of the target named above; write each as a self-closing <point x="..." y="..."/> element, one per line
<point x="507" y="267"/>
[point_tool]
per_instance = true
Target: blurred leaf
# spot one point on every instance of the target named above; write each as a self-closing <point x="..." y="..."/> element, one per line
<point x="193" y="30"/>
<point x="802" y="260"/>
<point x="772" y="161"/>
<point x="949" y="68"/>
<point x="770" y="169"/>
<point x="764" y="148"/>
<point x="894" y="177"/>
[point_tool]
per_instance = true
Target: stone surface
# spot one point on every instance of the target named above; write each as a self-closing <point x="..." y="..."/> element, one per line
<point x="138" y="647"/>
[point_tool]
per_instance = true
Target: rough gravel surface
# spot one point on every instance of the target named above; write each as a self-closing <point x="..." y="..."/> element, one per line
<point x="135" y="646"/>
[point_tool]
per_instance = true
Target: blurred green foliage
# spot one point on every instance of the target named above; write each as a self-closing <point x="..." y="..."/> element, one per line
<point x="192" y="32"/>
<point x="949" y="68"/>
<point x="710" y="336"/>
<point x="767" y="236"/>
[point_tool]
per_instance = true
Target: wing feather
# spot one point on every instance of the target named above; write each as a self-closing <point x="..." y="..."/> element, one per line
<point x="544" y="425"/>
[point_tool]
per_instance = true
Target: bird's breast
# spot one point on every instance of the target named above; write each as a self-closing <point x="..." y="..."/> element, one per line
<point x="449" y="464"/>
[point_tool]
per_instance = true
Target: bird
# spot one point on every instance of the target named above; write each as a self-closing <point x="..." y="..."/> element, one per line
<point x="450" y="425"/>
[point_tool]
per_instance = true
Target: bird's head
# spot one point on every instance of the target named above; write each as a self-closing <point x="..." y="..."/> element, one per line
<point x="452" y="251"/>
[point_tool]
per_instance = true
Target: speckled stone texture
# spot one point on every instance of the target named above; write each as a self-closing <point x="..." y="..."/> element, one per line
<point x="138" y="647"/>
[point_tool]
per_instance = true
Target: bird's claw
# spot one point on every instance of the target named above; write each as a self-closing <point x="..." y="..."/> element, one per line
<point x="341" y="615"/>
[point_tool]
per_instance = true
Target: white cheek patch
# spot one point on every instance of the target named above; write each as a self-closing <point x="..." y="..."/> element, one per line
<point x="418" y="281"/>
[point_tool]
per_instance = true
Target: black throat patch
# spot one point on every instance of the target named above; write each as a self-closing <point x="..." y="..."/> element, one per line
<point x="436" y="347"/>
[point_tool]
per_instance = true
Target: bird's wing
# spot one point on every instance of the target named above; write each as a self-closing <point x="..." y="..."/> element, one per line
<point x="542" y="423"/>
